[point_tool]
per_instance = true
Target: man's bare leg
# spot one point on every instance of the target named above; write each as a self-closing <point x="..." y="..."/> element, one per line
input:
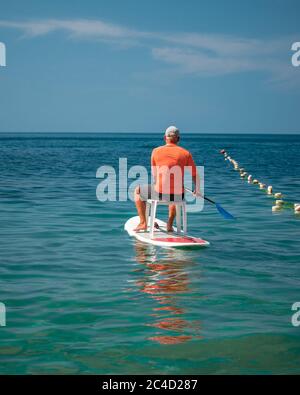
<point x="141" y="209"/>
<point x="172" y="215"/>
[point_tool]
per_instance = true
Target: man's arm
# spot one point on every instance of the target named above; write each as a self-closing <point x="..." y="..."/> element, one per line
<point x="195" y="175"/>
<point x="153" y="167"/>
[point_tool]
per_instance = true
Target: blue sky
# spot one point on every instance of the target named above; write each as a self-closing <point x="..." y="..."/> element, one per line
<point x="134" y="65"/>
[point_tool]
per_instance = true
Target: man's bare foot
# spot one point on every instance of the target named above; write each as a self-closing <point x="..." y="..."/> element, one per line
<point x="141" y="228"/>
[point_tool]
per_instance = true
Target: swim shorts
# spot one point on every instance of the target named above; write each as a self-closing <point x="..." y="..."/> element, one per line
<point x="149" y="192"/>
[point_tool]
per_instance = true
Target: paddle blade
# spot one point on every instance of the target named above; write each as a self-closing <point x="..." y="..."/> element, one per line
<point x="224" y="213"/>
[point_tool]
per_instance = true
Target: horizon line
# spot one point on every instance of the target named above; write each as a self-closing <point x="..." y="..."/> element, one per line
<point x="159" y="132"/>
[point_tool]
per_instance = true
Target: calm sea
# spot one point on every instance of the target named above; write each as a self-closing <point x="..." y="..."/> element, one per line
<point x="83" y="297"/>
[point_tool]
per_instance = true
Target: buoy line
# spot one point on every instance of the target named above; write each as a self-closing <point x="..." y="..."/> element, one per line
<point x="279" y="202"/>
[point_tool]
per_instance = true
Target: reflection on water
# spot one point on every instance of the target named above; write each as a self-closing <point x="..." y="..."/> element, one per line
<point x="166" y="280"/>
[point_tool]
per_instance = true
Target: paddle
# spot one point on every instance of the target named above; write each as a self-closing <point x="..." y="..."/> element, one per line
<point x="221" y="210"/>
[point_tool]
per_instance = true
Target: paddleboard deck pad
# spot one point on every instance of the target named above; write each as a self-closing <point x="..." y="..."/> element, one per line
<point x="162" y="238"/>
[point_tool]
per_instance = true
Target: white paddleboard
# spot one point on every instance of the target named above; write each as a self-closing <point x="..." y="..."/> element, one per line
<point x="161" y="237"/>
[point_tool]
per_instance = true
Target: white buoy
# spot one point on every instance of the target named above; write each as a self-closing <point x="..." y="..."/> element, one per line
<point x="250" y="178"/>
<point x="255" y="181"/>
<point x="297" y="208"/>
<point x="278" y="195"/>
<point x="262" y="186"/>
<point x="270" y="190"/>
<point x="279" y="202"/>
<point x="276" y="208"/>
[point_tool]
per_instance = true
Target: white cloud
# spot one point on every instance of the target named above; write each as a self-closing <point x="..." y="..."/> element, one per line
<point x="77" y="27"/>
<point x="202" y="54"/>
<point x="198" y="62"/>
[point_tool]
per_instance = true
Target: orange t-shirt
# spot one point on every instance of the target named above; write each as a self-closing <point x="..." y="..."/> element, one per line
<point x="168" y="163"/>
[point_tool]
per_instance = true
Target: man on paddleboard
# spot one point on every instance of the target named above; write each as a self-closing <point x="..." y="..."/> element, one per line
<point x="168" y="163"/>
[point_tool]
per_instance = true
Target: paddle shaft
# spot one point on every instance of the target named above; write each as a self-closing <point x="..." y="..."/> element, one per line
<point x="221" y="210"/>
<point x="204" y="197"/>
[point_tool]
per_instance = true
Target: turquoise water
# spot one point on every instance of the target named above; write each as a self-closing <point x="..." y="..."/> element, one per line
<point x="82" y="297"/>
